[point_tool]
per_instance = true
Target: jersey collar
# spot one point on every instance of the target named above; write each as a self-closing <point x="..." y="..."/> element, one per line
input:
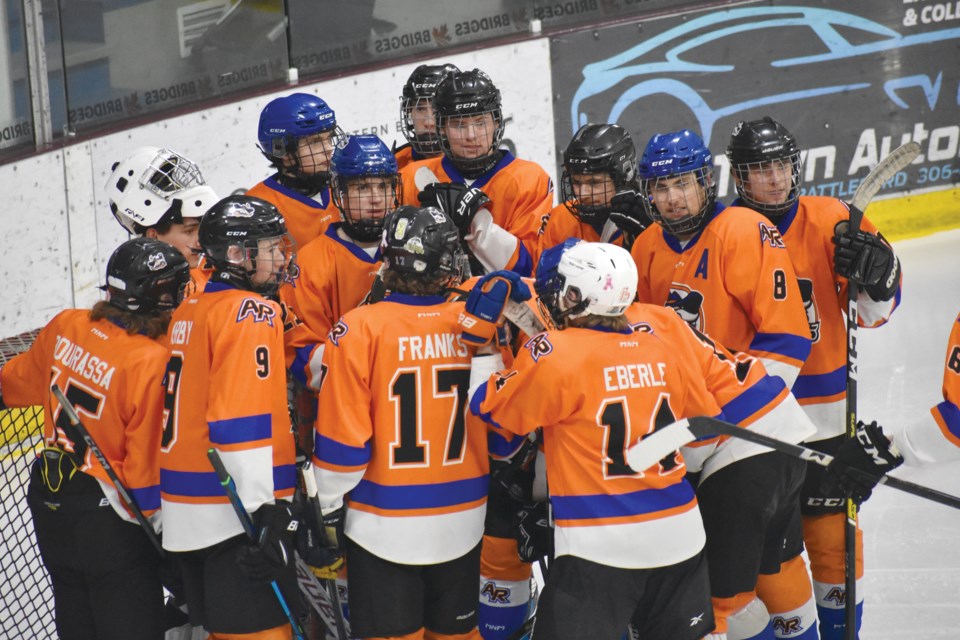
<point x="479" y="183"/>
<point x="323" y="195"/>
<point x="358" y="252"/>
<point x="674" y="242"/>
<point x="410" y="299"/>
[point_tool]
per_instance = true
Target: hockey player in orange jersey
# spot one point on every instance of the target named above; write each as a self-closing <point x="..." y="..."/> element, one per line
<point x="726" y="271"/>
<point x="157" y="193"/>
<point x="417" y="121"/>
<point x="598" y="191"/>
<point x="766" y="169"/>
<point x="109" y="363"/>
<point x="336" y="270"/>
<point x="297" y="134"/>
<point x="629" y="544"/>
<point x="500" y="233"/>
<point x="226" y="389"/>
<point x="400" y="473"/>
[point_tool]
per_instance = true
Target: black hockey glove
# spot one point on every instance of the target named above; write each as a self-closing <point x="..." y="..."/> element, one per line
<point x="534" y="532"/>
<point x="460" y="202"/>
<point x="629" y="213"/>
<point x="265" y="560"/>
<point x="321" y="542"/>
<point x="867" y="260"/>
<point x="860" y="463"/>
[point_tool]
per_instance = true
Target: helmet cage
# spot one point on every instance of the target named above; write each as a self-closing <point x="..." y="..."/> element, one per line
<point x="485" y="160"/>
<point x="592" y="214"/>
<point x="424" y="143"/>
<point x="692" y="222"/>
<point x="773" y="210"/>
<point x="242" y="270"/>
<point x="349" y="197"/>
<point x="598" y="149"/>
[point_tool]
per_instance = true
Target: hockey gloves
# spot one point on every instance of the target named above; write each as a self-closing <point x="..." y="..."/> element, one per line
<point x="860" y="463"/>
<point x="866" y="260"/>
<point x="267" y="559"/>
<point x="321" y="543"/>
<point x="484" y="307"/>
<point x="629" y="212"/>
<point x="460" y="202"/>
<point x="534" y="532"/>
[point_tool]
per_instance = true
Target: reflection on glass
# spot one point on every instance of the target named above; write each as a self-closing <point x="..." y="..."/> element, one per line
<point x="16" y="121"/>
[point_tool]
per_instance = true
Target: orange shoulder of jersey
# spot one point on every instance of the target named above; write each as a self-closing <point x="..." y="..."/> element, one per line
<point x="305" y="217"/>
<point x="947" y="413"/>
<point x="113" y="379"/>
<point x="333" y="276"/>
<point x="735" y="282"/>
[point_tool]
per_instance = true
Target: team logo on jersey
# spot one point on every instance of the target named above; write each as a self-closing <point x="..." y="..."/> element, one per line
<point x="502" y="379"/>
<point x="259" y="310"/>
<point x="544" y="220"/>
<point x="688" y="304"/>
<point x="771" y="235"/>
<point x="539" y="346"/>
<point x="641" y="327"/>
<point x="787" y="626"/>
<point x="339" y="330"/>
<point x="810" y="306"/>
<point x="156" y="261"/>
<point x="495" y="594"/>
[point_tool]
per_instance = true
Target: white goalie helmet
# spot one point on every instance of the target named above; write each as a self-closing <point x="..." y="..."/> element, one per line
<point x="154" y="186"/>
<point x="590" y="278"/>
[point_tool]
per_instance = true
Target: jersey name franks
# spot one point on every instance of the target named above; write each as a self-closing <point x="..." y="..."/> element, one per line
<point x="430" y="346"/>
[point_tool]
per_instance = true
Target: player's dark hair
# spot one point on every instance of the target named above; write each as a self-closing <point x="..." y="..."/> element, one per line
<point x="423" y="286"/>
<point x="616" y="323"/>
<point x="150" y="325"/>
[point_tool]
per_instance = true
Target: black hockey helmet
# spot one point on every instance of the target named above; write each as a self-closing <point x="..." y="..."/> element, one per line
<point x="146" y="276"/>
<point x="598" y="149"/>
<point x="464" y="94"/>
<point x="753" y="144"/>
<point x="243" y="221"/>
<point x="419" y="89"/>
<point x="422" y="242"/>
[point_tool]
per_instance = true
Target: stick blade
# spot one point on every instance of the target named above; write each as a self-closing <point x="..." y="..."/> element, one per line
<point x="898" y="159"/>
<point x="662" y="442"/>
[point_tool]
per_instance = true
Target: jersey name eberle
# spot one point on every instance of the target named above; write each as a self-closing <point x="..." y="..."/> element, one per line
<point x="634" y="376"/>
<point x="437" y="345"/>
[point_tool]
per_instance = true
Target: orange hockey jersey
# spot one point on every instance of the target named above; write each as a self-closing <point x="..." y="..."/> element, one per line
<point x="559" y="225"/>
<point x="936" y="436"/>
<point x="306" y="217"/>
<point x="333" y="276"/>
<point x="405" y="155"/>
<point x="113" y="380"/>
<point x="734" y="281"/>
<point x="392" y="435"/>
<point x="226" y="388"/>
<point x="520" y="195"/>
<point x="737" y="384"/>
<point x="821" y="387"/>
<point x="596" y="393"/>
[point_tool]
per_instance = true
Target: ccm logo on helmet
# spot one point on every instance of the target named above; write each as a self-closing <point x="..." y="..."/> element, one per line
<point x="467" y="105"/>
<point x="661" y="162"/>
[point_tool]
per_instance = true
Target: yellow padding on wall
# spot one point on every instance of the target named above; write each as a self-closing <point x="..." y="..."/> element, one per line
<point x="916" y="215"/>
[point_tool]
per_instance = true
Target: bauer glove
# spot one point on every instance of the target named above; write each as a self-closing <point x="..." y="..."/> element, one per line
<point x="483" y="310"/>
<point x="860" y="463"/>
<point x="460" y="202"/>
<point x="321" y="543"/>
<point x="866" y="260"/>
<point x="267" y="559"/>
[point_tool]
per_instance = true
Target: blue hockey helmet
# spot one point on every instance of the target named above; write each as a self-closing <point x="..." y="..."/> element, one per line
<point x="287" y="119"/>
<point x="672" y="155"/>
<point x="365" y="160"/>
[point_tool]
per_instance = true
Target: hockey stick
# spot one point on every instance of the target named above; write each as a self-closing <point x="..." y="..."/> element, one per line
<point x="654" y="447"/>
<point x="516" y="312"/>
<point x="886" y="169"/>
<point x="125" y="496"/>
<point x="230" y="487"/>
<point x="310" y="489"/>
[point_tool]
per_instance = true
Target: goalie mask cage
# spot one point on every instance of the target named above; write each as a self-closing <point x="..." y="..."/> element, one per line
<point x="26" y="597"/>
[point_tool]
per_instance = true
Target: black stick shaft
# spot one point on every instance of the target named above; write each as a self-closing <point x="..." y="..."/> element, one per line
<point x="125" y="496"/>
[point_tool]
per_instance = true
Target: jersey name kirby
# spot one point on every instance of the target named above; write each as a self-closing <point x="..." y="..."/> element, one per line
<point x="634" y="376"/>
<point x="431" y="346"/>
<point x="180" y="332"/>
